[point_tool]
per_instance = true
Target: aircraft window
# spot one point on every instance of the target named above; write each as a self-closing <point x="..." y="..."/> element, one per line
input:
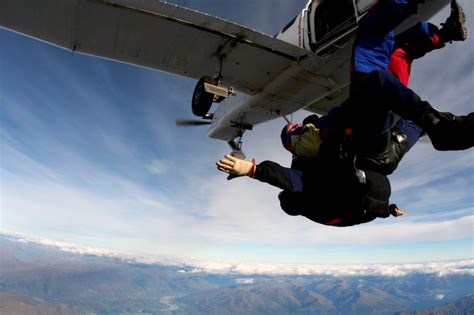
<point x="330" y="14"/>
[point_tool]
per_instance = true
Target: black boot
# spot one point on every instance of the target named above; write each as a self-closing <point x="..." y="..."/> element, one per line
<point x="386" y="161"/>
<point x="447" y="132"/>
<point x="454" y="29"/>
<point x="452" y="133"/>
<point x="399" y="148"/>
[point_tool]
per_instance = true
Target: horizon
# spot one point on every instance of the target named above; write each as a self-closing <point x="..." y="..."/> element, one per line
<point x="65" y="279"/>
<point x="90" y="156"/>
<point x="438" y="268"/>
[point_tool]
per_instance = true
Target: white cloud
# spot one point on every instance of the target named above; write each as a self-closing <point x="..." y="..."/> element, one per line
<point x="159" y="167"/>
<point x="440" y="269"/>
<point x="423" y="165"/>
<point x="448" y="88"/>
<point x="22" y="163"/>
<point x="439" y="296"/>
<point x="244" y="281"/>
<point x="390" y="270"/>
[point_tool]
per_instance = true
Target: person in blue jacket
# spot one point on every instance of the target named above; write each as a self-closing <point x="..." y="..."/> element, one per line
<point x="386" y="147"/>
<point x="379" y="147"/>
<point x="375" y="91"/>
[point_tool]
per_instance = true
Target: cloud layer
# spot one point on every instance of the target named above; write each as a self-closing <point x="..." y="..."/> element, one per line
<point x="440" y="269"/>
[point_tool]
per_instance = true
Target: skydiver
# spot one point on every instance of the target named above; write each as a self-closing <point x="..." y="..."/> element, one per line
<point x="375" y="91"/>
<point x="328" y="192"/>
<point x="343" y="195"/>
<point x="384" y="154"/>
<point x="413" y="44"/>
<point x="325" y="189"/>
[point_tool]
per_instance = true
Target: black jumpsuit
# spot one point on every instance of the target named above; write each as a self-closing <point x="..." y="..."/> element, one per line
<point x="329" y="194"/>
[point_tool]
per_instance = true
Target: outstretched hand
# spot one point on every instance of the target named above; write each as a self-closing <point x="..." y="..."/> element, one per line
<point x="396" y="212"/>
<point x="234" y="166"/>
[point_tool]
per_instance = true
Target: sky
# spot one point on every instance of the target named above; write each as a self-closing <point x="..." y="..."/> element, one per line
<point x="90" y="155"/>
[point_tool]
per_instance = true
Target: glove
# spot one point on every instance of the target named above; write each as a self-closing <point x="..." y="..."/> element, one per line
<point x="395" y="211"/>
<point x="236" y="167"/>
<point x="290" y="202"/>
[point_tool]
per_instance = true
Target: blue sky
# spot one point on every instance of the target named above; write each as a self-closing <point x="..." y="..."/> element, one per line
<point x="90" y="155"/>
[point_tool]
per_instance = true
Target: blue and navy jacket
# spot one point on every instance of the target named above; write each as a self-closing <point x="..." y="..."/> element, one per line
<point x="375" y="40"/>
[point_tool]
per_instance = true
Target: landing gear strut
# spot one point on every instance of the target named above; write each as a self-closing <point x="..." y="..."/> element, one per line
<point x="237" y="148"/>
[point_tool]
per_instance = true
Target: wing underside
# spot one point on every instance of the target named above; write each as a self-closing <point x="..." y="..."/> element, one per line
<point x="155" y="35"/>
<point x="282" y="78"/>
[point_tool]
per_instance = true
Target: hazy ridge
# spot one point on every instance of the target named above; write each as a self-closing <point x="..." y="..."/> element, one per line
<point x="43" y="278"/>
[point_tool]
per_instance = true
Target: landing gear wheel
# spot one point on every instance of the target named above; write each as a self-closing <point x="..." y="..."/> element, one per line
<point x="202" y="100"/>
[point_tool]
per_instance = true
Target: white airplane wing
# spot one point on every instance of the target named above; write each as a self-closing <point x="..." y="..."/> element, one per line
<point x="155" y="35"/>
<point x="276" y="77"/>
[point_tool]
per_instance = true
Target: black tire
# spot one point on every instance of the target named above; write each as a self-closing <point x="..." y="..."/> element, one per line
<point x="202" y="100"/>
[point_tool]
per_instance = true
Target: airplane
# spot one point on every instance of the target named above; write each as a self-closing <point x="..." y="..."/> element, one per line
<point x="252" y="77"/>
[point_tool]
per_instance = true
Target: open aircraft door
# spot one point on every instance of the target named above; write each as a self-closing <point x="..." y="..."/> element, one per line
<point x="321" y="22"/>
<point x="329" y="20"/>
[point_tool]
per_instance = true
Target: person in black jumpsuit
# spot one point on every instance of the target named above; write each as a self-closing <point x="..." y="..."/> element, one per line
<point x="329" y="192"/>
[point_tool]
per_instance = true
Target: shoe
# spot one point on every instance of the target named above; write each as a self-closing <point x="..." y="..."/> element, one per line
<point x="452" y="133"/>
<point x="291" y="202"/>
<point x="387" y="161"/>
<point x="454" y="29"/>
<point x="399" y="148"/>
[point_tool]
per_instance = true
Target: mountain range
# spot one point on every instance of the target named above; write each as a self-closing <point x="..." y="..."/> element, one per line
<point x="43" y="279"/>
